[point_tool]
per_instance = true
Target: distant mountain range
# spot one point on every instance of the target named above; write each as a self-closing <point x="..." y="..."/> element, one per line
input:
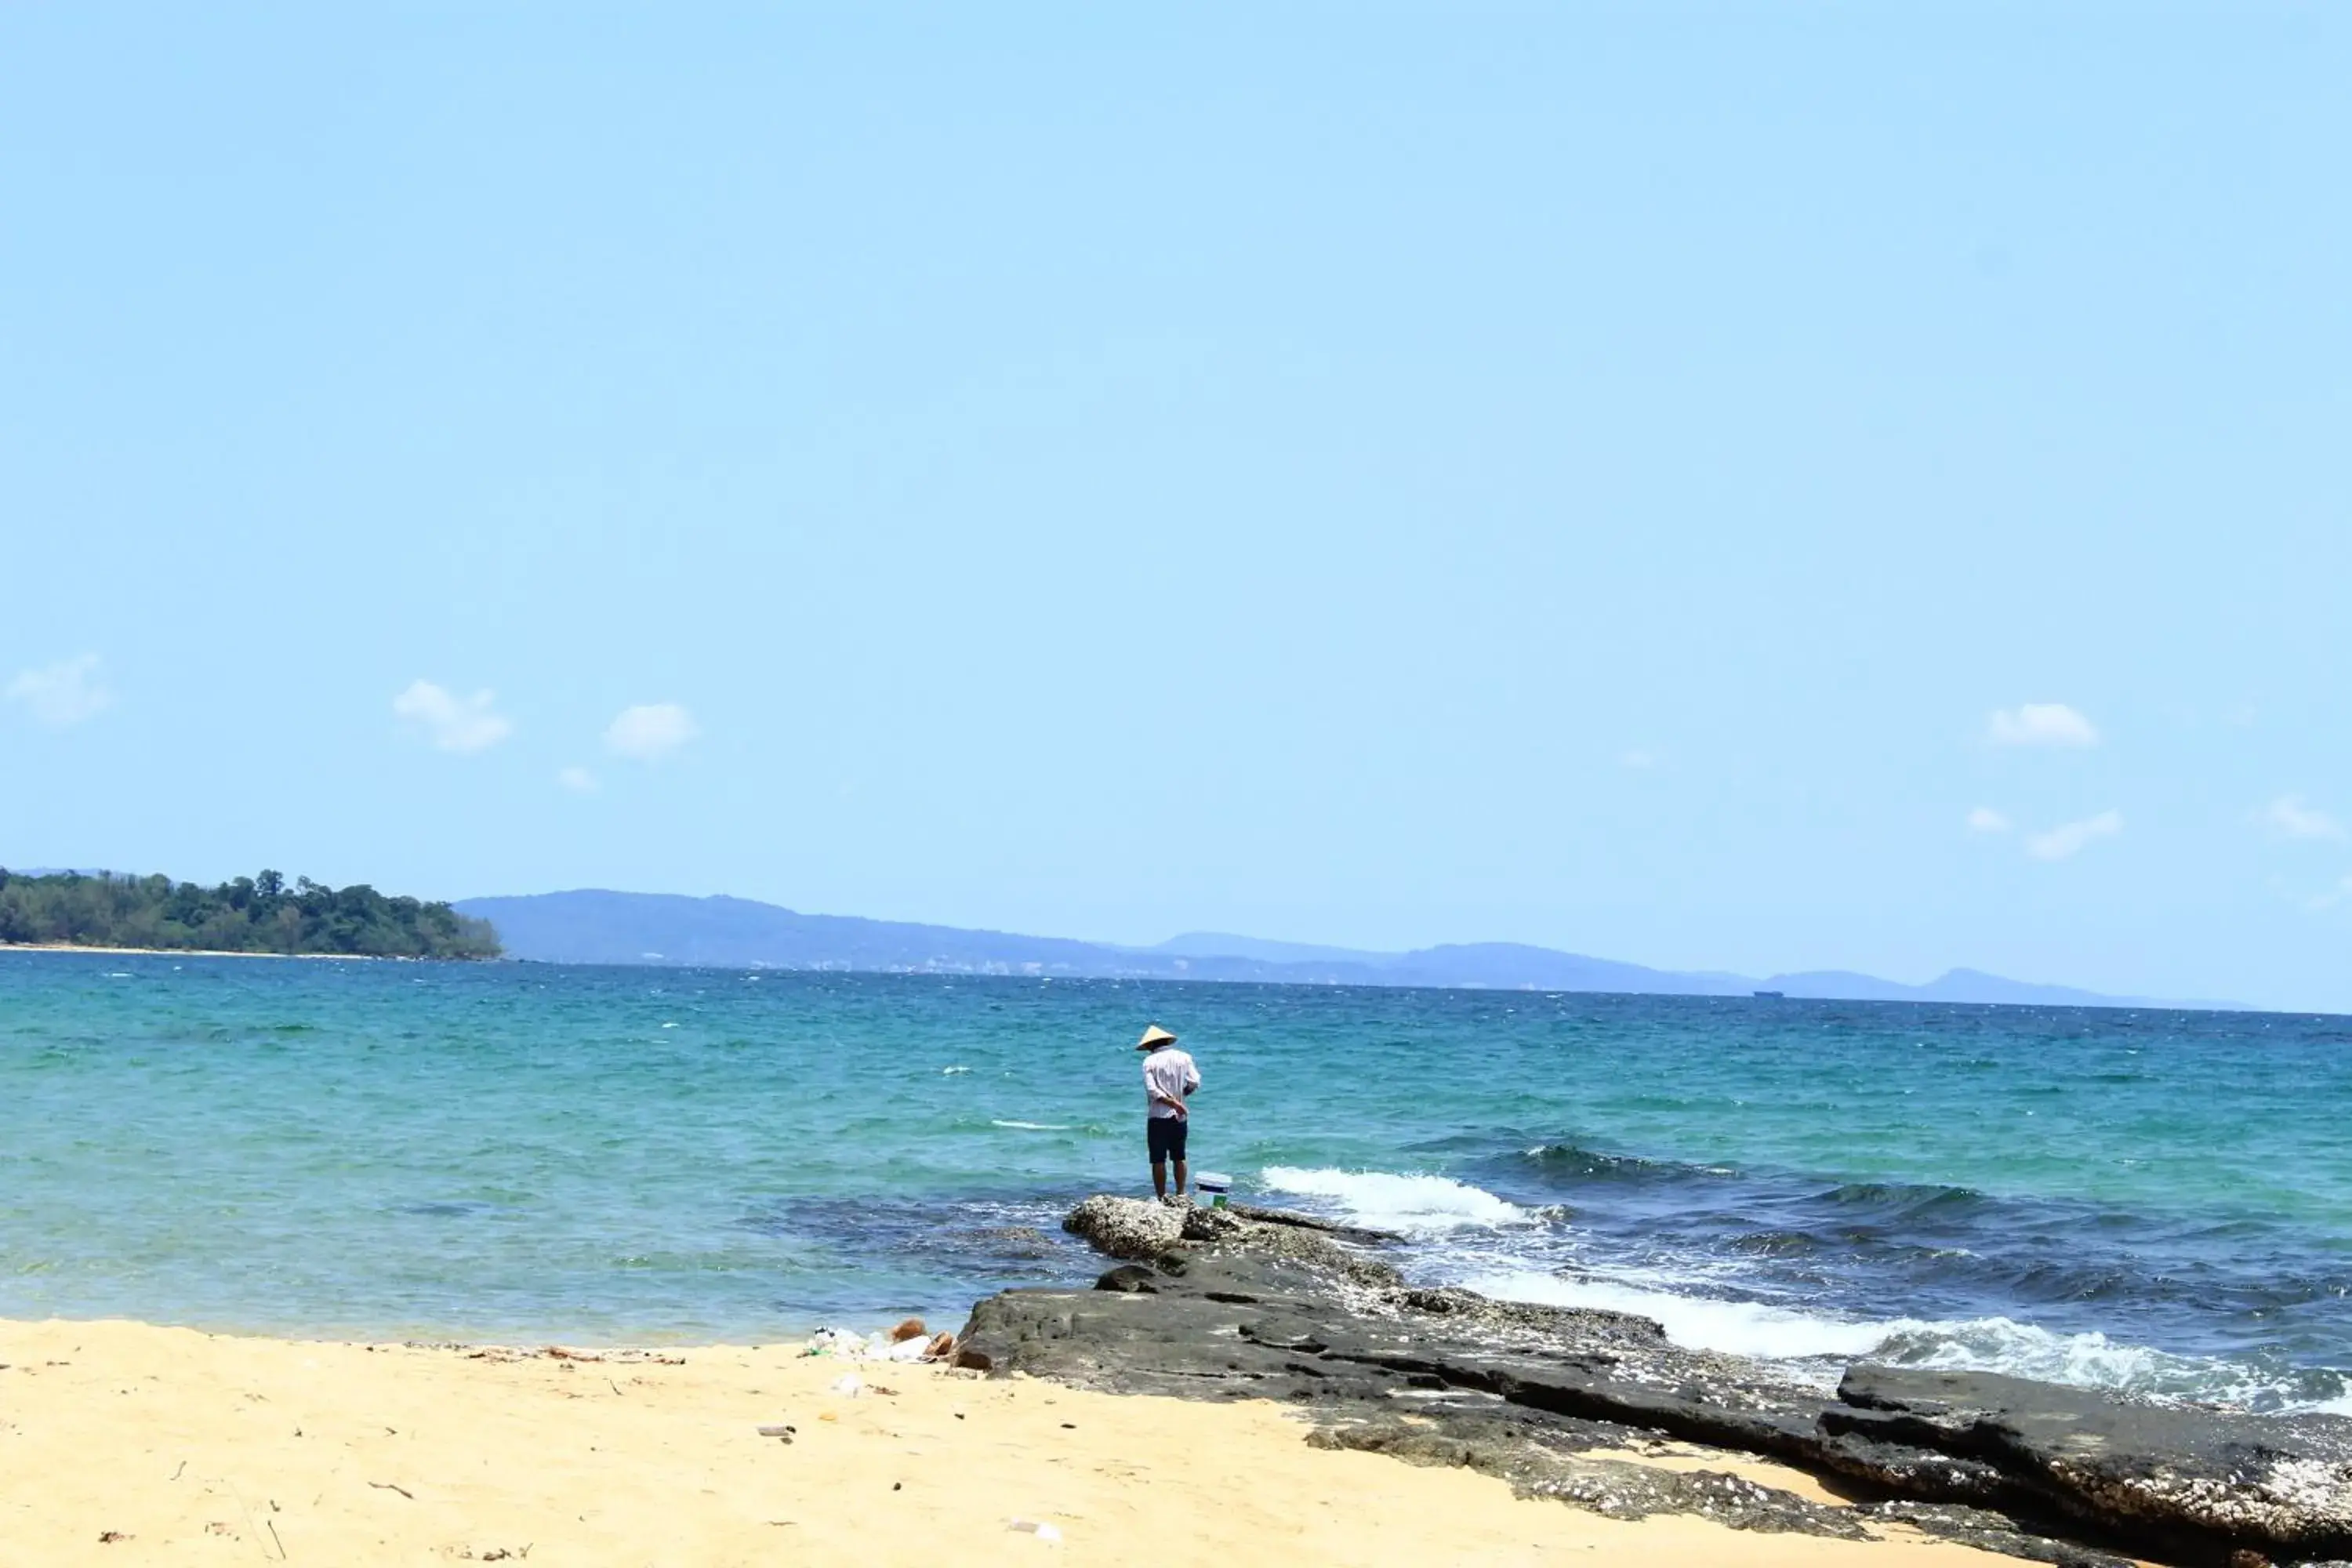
<point x="592" y="926"/>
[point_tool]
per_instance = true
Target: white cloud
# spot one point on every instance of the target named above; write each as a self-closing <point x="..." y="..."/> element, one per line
<point x="1637" y="758"/>
<point x="2068" y="837"/>
<point x="579" y="780"/>
<point x="64" y="693"/>
<point x="452" y="723"/>
<point x="2290" y="817"/>
<point x="2040" y="724"/>
<point x="650" y="732"/>
<point x="1985" y="819"/>
<point x="2330" y="898"/>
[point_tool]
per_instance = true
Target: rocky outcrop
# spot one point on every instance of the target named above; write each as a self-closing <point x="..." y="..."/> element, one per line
<point x="1538" y="1464"/>
<point x="1322" y="1247"/>
<point x="1127" y="1227"/>
<point x="2273" y="1484"/>
<point x="1147" y="1232"/>
<point x="1229" y="1304"/>
<point x="1989" y="1532"/>
<point x="1360" y="1235"/>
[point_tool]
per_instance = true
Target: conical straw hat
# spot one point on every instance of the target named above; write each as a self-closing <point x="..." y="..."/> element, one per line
<point x="1153" y="1039"/>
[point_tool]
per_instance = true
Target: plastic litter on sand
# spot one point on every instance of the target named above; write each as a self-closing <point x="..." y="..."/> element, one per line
<point x="876" y="1346"/>
<point x="1039" y="1528"/>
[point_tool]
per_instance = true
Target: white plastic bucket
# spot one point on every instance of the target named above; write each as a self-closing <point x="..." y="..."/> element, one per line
<point x="1213" y="1187"/>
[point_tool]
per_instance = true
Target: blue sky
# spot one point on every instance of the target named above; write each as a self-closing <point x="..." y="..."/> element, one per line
<point x="1747" y="487"/>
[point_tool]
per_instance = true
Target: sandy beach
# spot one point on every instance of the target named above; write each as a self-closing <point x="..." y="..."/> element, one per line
<point x="122" y="1443"/>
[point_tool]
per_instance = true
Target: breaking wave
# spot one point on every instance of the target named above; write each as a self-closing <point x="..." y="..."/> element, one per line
<point x="1700" y="1266"/>
<point x="1790" y="1334"/>
<point x="1414" y="1206"/>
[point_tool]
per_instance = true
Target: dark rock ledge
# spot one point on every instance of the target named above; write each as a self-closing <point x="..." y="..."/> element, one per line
<point x="1253" y="1304"/>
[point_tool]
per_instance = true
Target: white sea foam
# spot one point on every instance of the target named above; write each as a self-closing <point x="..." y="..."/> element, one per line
<point x="950" y="1072"/>
<point x="1775" y="1332"/>
<point x="1416" y="1205"/>
<point x="1031" y="1126"/>
<point x="2085" y="1361"/>
<point x="1473" y="1237"/>
<point x="1698" y="1323"/>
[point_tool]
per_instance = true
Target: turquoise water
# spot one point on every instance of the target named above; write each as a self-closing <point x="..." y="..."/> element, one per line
<point x="2151" y="1200"/>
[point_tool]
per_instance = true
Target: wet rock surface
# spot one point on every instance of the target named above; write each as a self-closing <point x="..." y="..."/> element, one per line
<point x="1252" y="1304"/>
<point x="1989" y="1531"/>
<point x="1541" y="1461"/>
<point x="2265" y="1482"/>
<point x="1360" y="1234"/>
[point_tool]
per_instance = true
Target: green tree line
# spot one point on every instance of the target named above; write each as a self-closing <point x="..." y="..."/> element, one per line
<point x="251" y="914"/>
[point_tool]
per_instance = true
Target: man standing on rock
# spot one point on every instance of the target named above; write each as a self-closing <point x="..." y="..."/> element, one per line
<point x="1169" y="1076"/>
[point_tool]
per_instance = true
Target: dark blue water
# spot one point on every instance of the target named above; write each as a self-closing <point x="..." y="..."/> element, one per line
<point x="2151" y="1200"/>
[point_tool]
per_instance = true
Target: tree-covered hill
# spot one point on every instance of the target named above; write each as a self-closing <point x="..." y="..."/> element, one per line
<point x="251" y="914"/>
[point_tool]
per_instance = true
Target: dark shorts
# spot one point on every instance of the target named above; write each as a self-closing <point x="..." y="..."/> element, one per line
<point x="1166" y="1136"/>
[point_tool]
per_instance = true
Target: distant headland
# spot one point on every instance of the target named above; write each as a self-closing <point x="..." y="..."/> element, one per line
<point x="258" y="915"/>
<point x="594" y="926"/>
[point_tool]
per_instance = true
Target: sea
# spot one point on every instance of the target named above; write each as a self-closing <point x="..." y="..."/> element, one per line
<point x="2135" y="1199"/>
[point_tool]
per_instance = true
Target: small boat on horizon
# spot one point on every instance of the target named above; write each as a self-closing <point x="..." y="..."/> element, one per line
<point x="1773" y="995"/>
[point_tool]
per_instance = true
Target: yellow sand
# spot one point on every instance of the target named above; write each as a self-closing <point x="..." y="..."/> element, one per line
<point x="196" y="1448"/>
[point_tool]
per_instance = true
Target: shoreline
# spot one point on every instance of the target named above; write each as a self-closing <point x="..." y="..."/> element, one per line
<point x="1248" y="1384"/>
<point x="129" y="1443"/>
<point x="213" y="952"/>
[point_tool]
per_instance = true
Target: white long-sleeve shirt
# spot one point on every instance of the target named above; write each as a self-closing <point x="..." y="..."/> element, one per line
<point x="1170" y="1072"/>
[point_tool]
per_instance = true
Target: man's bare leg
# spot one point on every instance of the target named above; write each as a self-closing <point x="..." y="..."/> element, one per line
<point x="1159" y="1178"/>
<point x="1179" y="1178"/>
